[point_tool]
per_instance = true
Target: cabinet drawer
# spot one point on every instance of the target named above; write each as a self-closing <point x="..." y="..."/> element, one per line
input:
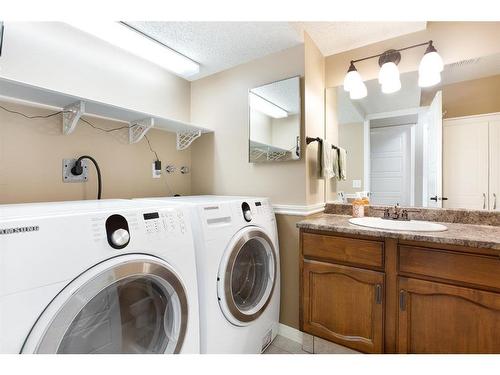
<point x="467" y="268"/>
<point x="343" y="250"/>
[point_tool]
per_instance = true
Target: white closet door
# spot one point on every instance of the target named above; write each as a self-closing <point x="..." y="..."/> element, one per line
<point x="465" y="163"/>
<point x="495" y="165"/>
<point x="390" y="169"/>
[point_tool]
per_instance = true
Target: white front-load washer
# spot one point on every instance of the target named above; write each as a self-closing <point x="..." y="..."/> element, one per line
<point x="109" y="276"/>
<point x="237" y="257"/>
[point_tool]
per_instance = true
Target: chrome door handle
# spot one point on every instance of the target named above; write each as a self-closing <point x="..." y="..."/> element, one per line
<point x="494" y="201"/>
<point x="484" y="201"/>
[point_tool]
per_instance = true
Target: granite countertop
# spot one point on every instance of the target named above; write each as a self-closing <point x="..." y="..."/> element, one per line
<point x="479" y="236"/>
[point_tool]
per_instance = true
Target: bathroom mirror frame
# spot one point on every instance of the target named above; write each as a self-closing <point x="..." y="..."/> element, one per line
<point x="296" y="152"/>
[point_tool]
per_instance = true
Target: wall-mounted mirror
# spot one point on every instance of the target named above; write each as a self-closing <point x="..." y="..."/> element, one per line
<point x="426" y="147"/>
<point x="274" y="121"/>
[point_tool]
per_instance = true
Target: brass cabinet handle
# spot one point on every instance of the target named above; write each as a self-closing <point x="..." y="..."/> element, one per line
<point x="378" y="294"/>
<point x="402" y="300"/>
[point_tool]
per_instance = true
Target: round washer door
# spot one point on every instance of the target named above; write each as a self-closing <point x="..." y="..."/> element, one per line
<point x="247" y="276"/>
<point x="128" y="304"/>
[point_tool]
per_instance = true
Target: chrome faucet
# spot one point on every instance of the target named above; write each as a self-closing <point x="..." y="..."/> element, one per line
<point x="397" y="213"/>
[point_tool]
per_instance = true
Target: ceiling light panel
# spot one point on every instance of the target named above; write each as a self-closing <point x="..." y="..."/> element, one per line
<point x="130" y="40"/>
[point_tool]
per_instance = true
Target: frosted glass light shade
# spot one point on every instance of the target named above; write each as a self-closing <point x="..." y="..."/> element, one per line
<point x="391" y="87"/>
<point x="430" y="68"/>
<point x="352" y="79"/>
<point x="359" y="91"/>
<point x="427" y="80"/>
<point x="388" y="77"/>
<point x="431" y="63"/>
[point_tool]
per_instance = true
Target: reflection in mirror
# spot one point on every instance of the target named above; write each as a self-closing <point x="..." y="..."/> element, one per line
<point x="426" y="147"/>
<point x="274" y="121"/>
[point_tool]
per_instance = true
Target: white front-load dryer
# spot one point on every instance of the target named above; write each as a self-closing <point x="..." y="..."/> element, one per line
<point x="237" y="256"/>
<point x="110" y="276"/>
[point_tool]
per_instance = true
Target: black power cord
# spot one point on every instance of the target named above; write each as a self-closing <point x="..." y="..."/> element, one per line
<point x="77" y="170"/>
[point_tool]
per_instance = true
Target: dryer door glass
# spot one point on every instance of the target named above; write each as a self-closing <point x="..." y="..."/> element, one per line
<point x="250" y="276"/>
<point x="135" y="307"/>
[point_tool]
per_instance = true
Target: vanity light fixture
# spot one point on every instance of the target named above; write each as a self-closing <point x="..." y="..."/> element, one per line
<point x="388" y="75"/>
<point x="353" y="83"/>
<point x="429" y="70"/>
<point x="139" y="44"/>
<point x="263" y="105"/>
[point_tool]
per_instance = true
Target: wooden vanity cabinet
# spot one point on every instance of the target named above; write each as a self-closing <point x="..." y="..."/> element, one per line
<point x="344" y="305"/>
<point x="399" y="296"/>
<point x="441" y="318"/>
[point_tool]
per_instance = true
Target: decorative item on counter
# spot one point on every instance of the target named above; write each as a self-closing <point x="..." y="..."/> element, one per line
<point x="358" y="206"/>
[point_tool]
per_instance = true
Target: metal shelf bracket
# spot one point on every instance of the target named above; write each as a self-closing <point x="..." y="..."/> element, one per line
<point x="71" y="115"/>
<point x="139" y="128"/>
<point x="184" y="139"/>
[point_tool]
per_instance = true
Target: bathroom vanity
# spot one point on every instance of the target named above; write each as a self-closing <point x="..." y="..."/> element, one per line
<point x="381" y="291"/>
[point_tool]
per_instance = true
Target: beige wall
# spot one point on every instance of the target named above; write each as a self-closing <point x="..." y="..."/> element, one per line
<point x="332" y="135"/>
<point x="468" y="98"/>
<point x="314" y="104"/>
<point x="351" y="138"/>
<point x="31" y="153"/>
<point x="454" y="41"/>
<point x="220" y="161"/>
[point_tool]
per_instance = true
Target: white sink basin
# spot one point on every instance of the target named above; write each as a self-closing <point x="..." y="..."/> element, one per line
<point x="412" y="225"/>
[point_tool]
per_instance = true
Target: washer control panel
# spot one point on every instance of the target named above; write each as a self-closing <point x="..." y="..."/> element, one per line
<point x="168" y="221"/>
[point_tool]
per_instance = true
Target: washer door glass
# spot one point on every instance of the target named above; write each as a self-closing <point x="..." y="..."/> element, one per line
<point x="250" y="276"/>
<point x="134" y="307"/>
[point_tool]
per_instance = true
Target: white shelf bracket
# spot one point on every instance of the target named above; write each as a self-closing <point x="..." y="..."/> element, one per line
<point x="184" y="139"/>
<point x="71" y="115"/>
<point x="139" y="128"/>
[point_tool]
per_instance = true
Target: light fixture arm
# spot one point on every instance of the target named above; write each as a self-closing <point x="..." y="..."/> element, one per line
<point x="429" y="44"/>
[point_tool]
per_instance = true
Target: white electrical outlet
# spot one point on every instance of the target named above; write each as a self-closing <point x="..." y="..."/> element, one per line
<point x="156" y="172"/>
<point x="356" y="183"/>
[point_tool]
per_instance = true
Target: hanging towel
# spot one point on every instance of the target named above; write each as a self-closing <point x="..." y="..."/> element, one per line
<point x="335" y="162"/>
<point x="342" y="156"/>
<point x="327" y="162"/>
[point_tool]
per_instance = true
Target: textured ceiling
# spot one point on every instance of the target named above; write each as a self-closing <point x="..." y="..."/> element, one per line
<point x="219" y="46"/>
<point x="336" y="37"/>
<point x="285" y="94"/>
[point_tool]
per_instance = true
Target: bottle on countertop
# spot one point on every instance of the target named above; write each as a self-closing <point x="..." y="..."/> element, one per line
<point x="358" y="206"/>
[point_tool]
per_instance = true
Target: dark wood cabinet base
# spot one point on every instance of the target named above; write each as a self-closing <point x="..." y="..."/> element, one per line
<point x="399" y="297"/>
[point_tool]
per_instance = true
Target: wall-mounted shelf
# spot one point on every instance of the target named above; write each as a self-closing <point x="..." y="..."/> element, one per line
<point x="74" y="107"/>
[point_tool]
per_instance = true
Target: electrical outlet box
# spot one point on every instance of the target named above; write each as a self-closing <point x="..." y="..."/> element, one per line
<point x="70" y="177"/>
<point x="156" y="172"/>
<point x="356" y="184"/>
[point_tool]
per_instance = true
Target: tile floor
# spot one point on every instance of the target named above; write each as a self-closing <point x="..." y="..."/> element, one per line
<point x="311" y="345"/>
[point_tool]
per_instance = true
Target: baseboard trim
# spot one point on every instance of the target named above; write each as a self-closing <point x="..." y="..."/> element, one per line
<point x="298" y="210"/>
<point x="290" y="333"/>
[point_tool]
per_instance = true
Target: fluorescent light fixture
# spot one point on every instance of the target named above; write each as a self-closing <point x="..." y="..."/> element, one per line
<point x="265" y="106"/>
<point x="141" y="45"/>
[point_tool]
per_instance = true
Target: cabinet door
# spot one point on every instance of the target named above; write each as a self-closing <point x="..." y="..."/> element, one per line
<point x="465" y="163"/>
<point x="441" y="318"/>
<point x="343" y="305"/>
<point x="495" y="165"/>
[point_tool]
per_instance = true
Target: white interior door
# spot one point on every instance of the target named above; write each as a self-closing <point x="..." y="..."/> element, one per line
<point x="390" y="169"/>
<point x="433" y="154"/>
<point x="465" y="163"/>
<point x="494" y="137"/>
